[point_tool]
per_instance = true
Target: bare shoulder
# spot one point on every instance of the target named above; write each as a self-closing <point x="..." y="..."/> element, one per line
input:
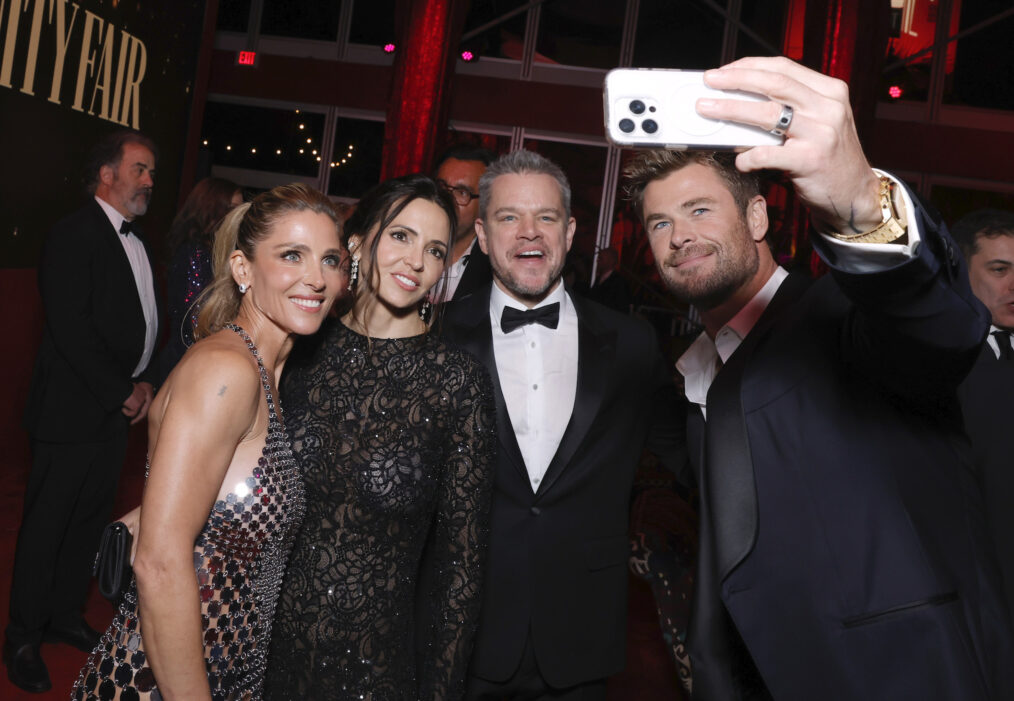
<point x="217" y="373"/>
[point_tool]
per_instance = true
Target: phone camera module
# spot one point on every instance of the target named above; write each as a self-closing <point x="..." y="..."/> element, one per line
<point x="637" y="107"/>
<point x="650" y="126"/>
<point x="626" y="125"/>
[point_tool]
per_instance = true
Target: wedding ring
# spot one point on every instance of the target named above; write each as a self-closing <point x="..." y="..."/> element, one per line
<point x="784" y="120"/>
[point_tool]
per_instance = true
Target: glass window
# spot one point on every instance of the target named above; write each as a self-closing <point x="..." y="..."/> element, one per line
<point x="260" y="138"/>
<point x="506" y="39"/>
<point x="980" y="66"/>
<point x="303" y="20"/>
<point x="766" y="19"/>
<point x="955" y="202"/>
<point x="356" y="158"/>
<point x="912" y="33"/>
<point x="372" y="22"/>
<point x="233" y="15"/>
<point x="579" y="33"/>
<point x="497" y="144"/>
<point x="678" y="35"/>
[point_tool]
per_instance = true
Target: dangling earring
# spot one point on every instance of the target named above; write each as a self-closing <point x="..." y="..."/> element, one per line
<point x="243" y="287"/>
<point x="353" y="272"/>
<point x="424" y="310"/>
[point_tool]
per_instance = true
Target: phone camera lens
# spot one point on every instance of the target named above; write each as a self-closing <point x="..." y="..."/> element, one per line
<point x="626" y="125"/>
<point x="637" y="107"/>
<point x="650" y="126"/>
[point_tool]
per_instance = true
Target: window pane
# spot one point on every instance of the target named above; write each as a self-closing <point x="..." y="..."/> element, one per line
<point x="355" y="160"/>
<point x="497" y="144"/>
<point x="259" y="138"/>
<point x="678" y="35"/>
<point x="766" y="19"/>
<point x="980" y="68"/>
<point x="506" y="39"/>
<point x="304" y="20"/>
<point x="913" y="28"/>
<point x="955" y="202"/>
<point x="579" y="33"/>
<point x="233" y="15"/>
<point x="372" y="22"/>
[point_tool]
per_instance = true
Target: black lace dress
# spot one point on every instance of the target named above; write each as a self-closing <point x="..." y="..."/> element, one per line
<point x="395" y="437"/>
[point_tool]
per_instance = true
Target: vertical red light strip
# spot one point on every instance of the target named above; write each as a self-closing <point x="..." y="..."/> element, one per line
<point x="423" y="69"/>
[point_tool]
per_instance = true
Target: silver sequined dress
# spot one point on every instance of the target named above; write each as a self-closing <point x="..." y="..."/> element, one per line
<point x="396" y="439"/>
<point x="239" y="560"/>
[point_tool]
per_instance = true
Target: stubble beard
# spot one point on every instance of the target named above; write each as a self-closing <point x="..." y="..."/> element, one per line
<point x="526" y="291"/>
<point x="732" y="269"/>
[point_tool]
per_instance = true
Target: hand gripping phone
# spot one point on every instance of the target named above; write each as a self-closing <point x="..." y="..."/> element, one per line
<point x="655" y="108"/>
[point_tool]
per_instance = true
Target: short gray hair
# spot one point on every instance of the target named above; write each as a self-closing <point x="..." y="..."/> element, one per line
<point x="522" y="162"/>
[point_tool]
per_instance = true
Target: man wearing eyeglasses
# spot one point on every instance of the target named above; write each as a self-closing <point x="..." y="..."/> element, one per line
<point x="458" y="170"/>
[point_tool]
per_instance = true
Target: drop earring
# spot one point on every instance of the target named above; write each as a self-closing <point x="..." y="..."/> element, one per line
<point x="424" y="310"/>
<point x="353" y="272"/>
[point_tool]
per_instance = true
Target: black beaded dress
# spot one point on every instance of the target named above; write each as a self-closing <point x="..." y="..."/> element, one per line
<point x="395" y="437"/>
<point x="239" y="560"/>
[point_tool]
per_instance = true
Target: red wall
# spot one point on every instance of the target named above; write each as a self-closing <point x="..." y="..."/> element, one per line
<point x="21" y="311"/>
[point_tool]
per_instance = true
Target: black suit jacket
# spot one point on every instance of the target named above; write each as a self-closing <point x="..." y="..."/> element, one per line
<point x="476" y="275"/>
<point x="987" y="403"/>
<point x="842" y="528"/>
<point x="557" y="561"/>
<point x="93" y="336"/>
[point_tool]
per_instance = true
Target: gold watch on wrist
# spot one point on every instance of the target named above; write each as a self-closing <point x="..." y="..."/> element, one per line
<point x="890" y="229"/>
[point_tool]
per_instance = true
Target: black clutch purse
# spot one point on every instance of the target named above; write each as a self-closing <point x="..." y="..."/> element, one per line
<point x="112" y="562"/>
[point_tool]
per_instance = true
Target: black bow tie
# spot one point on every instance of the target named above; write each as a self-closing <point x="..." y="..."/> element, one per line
<point x="126" y="227"/>
<point x="548" y="316"/>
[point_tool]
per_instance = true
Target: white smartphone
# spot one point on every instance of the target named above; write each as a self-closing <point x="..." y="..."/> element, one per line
<point x="655" y="108"/>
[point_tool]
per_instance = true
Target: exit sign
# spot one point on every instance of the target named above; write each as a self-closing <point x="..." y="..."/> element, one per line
<point x="247" y="58"/>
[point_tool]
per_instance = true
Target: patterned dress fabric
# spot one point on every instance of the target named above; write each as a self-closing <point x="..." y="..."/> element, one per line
<point x="239" y="560"/>
<point x="396" y="438"/>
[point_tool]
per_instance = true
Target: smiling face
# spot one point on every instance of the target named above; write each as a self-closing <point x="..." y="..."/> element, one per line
<point x="526" y="234"/>
<point x="991" y="272"/>
<point x="127" y="185"/>
<point x="409" y="258"/>
<point x="705" y="249"/>
<point x="295" y="274"/>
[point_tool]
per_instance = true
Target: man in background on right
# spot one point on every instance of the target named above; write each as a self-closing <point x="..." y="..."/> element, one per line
<point x="843" y="552"/>
<point x="986" y="238"/>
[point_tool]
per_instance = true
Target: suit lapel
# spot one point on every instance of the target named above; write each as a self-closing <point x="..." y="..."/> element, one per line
<point x="728" y="476"/>
<point x="596" y="349"/>
<point x="474" y="334"/>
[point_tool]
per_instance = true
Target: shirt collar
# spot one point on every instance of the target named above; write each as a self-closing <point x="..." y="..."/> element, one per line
<point x="115" y="218"/>
<point x="498" y="299"/>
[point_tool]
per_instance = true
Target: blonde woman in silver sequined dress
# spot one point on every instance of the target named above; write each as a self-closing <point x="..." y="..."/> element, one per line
<point x="395" y="432"/>
<point x="223" y="495"/>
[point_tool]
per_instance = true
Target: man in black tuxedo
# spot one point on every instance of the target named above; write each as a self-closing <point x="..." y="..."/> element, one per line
<point x="580" y="390"/>
<point x="986" y="238"/>
<point x="458" y="171"/>
<point x="88" y="385"/>
<point x="843" y="553"/>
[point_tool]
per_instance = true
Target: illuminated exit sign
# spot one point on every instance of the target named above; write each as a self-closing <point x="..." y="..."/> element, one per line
<point x="247" y="58"/>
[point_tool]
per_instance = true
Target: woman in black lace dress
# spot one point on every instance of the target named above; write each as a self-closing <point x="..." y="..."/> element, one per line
<point x="395" y="432"/>
<point x="223" y="496"/>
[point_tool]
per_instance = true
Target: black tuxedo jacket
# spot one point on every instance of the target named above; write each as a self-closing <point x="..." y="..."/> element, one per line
<point x="93" y="336"/>
<point x="842" y="527"/>
<point x="476" y="275"/>
<point x="987" y="403"/>
<point x="557" y="562"/>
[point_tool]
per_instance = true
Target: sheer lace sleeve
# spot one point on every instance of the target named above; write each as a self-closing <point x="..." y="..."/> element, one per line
<point x="460" y="536"/>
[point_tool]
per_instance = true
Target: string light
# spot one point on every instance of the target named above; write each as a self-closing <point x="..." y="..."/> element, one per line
<point x="228" y="148"/>
<point x="253" y="150"/>
<point x="302" y="126"/>
<point x="205" y="142"/>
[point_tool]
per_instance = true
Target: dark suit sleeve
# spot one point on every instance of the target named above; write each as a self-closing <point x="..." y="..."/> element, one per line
<point x="916" y="326"/>
<point x="69" y="263"/>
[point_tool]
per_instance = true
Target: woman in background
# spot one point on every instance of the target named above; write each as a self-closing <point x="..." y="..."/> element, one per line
<point x="223" y="496"/>
<point x="394" y="431"/>
<point x="190" y="243"/>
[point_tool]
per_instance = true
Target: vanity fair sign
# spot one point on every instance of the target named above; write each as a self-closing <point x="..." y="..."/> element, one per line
<point x="71" y="71"/>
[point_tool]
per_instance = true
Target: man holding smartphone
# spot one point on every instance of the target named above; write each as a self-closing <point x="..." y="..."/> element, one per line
<point x="843" y="550"/>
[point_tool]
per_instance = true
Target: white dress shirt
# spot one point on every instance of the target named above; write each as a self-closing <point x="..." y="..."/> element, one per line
<point x="141" y="267"/>
<point x="537" y="367"/>
<point x="447" y="285"/>
<point x="699" y="364"/>
<point x="992" y="342"/>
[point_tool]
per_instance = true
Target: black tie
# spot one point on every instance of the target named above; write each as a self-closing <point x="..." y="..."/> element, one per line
<point x="548" y="316"/>
<point x="1003" y="341"/>
<point x="126" y="227"/>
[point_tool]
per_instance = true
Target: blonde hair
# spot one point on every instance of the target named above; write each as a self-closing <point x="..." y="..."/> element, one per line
<point x="241" y="230"/>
